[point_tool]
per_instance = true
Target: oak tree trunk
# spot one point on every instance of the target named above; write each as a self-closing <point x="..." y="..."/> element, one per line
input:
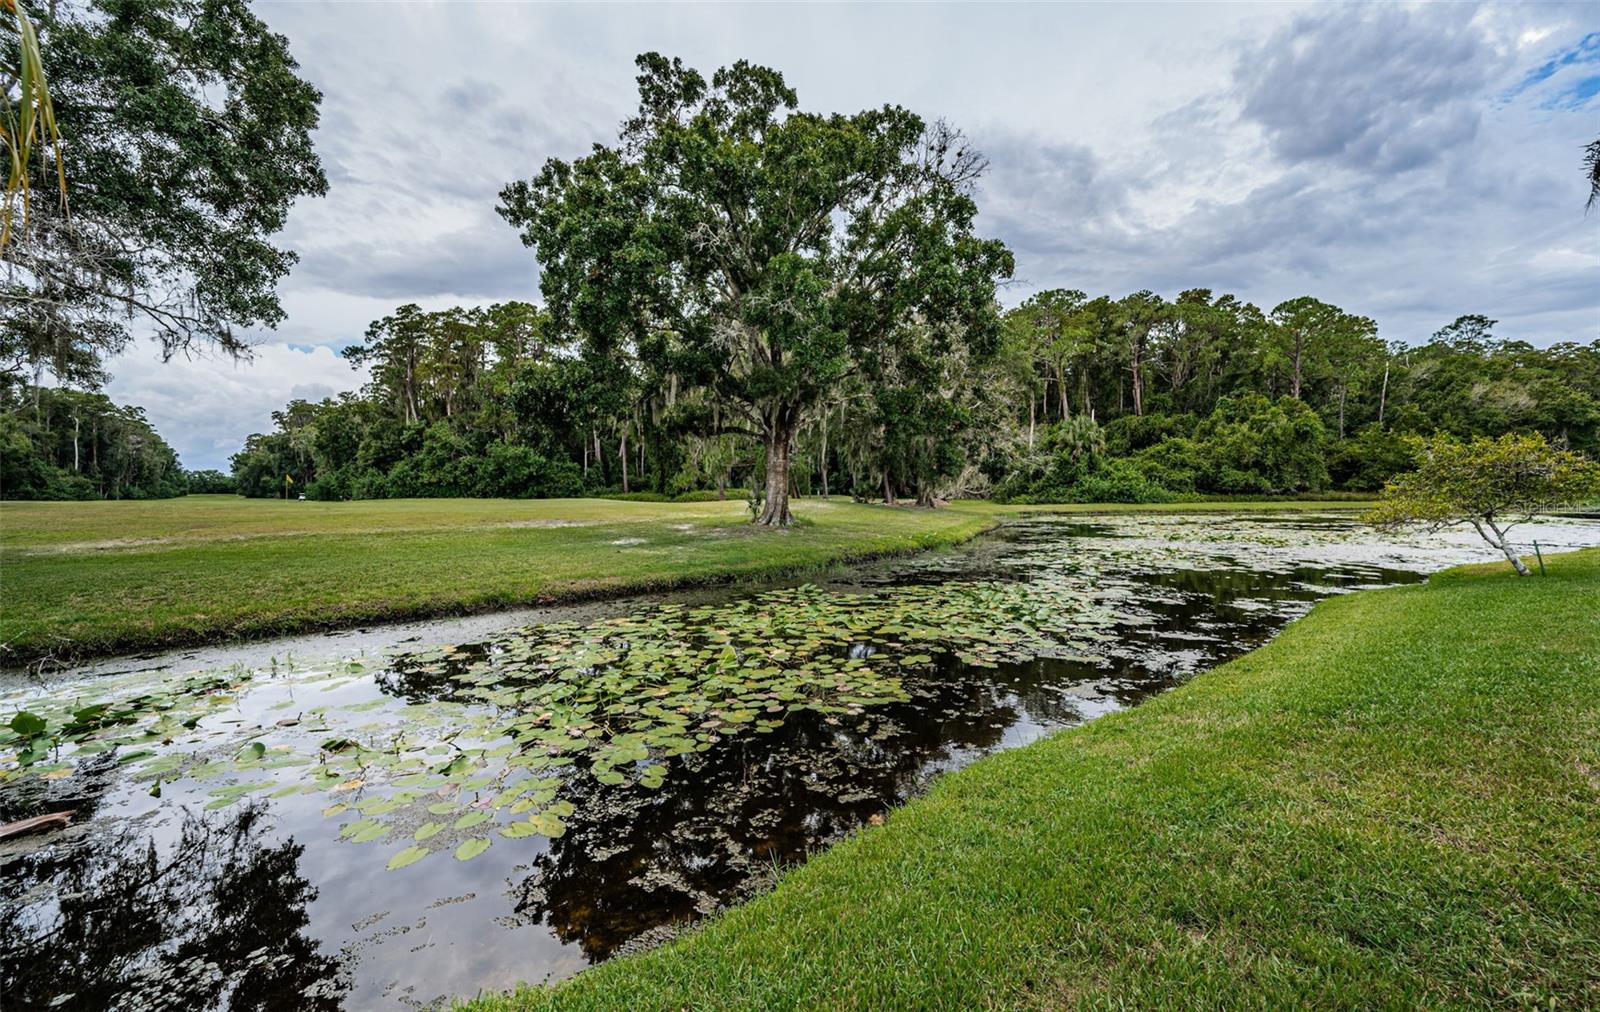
<point x="780" y="445"/>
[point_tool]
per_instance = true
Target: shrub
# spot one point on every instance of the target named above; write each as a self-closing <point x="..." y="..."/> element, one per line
<point x="1176" y="464"/>
<point x="1251" y="444"/>
<point x="1127" y="435"/>
<point x="1119" y="481"/>
<point x="1370" y="458"/>
<point x="209" y="482"/>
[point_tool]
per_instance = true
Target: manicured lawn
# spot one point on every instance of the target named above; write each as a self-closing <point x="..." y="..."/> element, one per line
<point x="1396" y="804"/>
<point x="97" y="577"/>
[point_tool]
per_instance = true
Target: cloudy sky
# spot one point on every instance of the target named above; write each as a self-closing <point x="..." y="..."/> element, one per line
<point x="1411" y="163"/>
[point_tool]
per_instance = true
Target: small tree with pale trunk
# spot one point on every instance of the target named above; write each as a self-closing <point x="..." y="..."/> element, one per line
<point x="1492" y="484"/>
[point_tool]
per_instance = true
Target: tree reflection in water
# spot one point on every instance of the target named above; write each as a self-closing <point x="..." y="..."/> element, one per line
<point x="635" y="861"/>
<point x="215" y="921"/>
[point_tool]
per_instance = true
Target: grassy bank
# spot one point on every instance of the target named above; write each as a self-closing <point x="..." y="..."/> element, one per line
<point x="79" y="579"/>
<point x="1394" y="804"/>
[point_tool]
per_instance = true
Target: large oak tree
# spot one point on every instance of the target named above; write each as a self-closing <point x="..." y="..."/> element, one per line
<point x="764" y="251"/>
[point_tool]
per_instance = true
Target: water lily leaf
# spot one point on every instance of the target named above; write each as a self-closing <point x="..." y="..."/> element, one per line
<point x="426" y="830"/>
<point x="518" y="830"/>
<point x="471" y="819"/>
<point x="411" y="855"/>
<point x="28" y="724"/>
<point x="471" y="848"/>
<point x="548" y="824"/>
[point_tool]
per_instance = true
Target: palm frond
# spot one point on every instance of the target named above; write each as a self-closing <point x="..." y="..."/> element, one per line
<point x="30" y="124"/>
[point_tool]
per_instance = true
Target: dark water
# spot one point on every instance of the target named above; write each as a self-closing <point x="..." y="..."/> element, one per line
<point x="189" y="900"/>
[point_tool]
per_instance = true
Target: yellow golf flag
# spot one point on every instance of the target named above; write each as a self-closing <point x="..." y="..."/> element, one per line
<point x="288" y="480"/>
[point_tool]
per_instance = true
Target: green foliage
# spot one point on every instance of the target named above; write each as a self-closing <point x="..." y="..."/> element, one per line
<point x="1310" y="340"/>
<point x="488" y="402"/>
<point x="66" y="444"/>
<point x="1251" y="444"/>
<point x="1072" y="467"/>
<point x="1368" y="460"/>
<point x="1465" y="382"/>
<point x="461" y="404"/>
<point x="1247" y="445"/>
<point x="1486" y="482"/>
<point x="764" y="251"/>
<point x="185" y="137"/>
<point x="1128" y="434"/>
<point x="1202" y="353"/>
<point x="210" y="482"/>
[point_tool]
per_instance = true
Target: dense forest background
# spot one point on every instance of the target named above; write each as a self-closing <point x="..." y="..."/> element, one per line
<point x="69" y="444"/>
<point x="1134" y="400"/>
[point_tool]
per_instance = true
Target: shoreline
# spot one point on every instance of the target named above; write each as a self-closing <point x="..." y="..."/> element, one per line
<point x="1348" y="815"/>
<point x="949" y="526"/>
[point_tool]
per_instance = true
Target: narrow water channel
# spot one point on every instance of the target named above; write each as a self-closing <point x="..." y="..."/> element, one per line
<point x="491" y="805"/>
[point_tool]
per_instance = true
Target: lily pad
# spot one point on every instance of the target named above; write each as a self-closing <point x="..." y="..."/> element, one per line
<point x="411" y="855"/>
<point x="471" y="848"/>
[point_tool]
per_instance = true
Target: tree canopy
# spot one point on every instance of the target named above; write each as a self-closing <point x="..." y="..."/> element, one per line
<point x="185" y="137"/>
<point x="69" y="444"/>
<point x="1491" y="484"/>
<point x="499" y="402"/>
<point x="759" y="253"/>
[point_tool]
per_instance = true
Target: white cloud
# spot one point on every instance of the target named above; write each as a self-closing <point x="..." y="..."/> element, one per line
<point x="205" y="406"/>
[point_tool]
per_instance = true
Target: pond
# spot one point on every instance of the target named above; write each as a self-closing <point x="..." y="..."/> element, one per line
<point x="398" y="825"/>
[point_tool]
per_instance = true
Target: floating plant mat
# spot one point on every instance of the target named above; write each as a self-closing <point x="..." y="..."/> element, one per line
<point x="397" y="828"/>
<point x="462" y="744"/>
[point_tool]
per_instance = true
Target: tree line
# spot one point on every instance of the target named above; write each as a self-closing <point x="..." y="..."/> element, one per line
<point x="69" y="444"/>
<point x="739" y="291"/>
<point x="1082" y="399"/>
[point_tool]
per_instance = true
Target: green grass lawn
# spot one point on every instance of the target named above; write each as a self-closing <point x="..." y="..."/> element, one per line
<point x="78" y="579"/>
<point x="1396" y="804"/>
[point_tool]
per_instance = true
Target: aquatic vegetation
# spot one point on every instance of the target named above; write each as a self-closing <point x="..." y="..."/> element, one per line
<point x="497" y="727"/>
